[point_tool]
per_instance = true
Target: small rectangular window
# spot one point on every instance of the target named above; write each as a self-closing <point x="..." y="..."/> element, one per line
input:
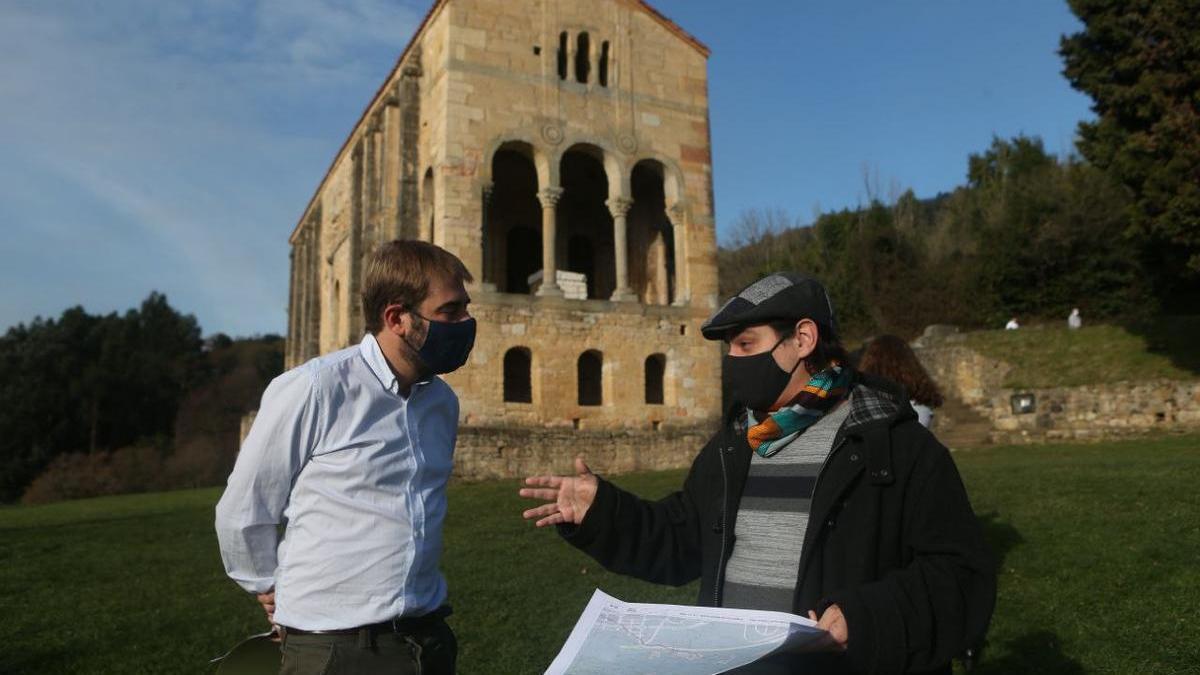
<point x="562" y="55"/>
<point x="583" y="56"/>
<point x="602" y="73"/>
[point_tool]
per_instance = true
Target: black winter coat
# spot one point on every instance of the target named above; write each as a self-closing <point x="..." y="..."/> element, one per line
<point x="891" y="539"/>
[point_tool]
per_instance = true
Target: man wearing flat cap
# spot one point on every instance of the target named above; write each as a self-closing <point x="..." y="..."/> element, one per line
<point x="820" y="495"/>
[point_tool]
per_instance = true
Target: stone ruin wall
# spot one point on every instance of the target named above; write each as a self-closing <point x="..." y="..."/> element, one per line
<point x="1091" y="412"/>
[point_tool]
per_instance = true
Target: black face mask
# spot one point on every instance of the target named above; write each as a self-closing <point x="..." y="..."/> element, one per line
<point x="447" y="345"/>
<point x="756" y="381"/>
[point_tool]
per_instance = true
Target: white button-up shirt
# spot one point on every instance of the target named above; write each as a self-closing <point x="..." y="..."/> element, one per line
<point x="357" y="474"/>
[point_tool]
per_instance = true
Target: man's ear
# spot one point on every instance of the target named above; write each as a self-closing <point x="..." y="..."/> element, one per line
<point x="395" y="319"/>
<point x="806" y="336"/>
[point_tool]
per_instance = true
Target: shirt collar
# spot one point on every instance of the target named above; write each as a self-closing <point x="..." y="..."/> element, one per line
<point x="372" y="353"/>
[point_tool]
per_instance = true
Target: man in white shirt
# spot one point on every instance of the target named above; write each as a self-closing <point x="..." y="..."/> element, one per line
<point x="351" y="452"/>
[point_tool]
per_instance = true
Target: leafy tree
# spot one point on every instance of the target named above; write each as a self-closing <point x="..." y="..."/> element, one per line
<point x="92" y="383"/>
<point x="1139" y="61"/>
<point x="1029" y="234"/>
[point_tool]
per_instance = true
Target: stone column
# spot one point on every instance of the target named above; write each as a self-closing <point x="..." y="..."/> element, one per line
<point x="679" y="233"/>
<point x="619" y="208"/>
<point x="549" y="198"/>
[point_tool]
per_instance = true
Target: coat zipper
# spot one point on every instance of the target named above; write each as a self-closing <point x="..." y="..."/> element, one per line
<point x="724" y="529"/>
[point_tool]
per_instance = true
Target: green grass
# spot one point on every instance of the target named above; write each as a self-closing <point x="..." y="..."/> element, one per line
<point x="1052" y="356"/>
<point x="1100" y="546"/>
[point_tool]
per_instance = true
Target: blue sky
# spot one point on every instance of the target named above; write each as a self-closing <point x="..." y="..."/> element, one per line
<point x="170" y="146"/>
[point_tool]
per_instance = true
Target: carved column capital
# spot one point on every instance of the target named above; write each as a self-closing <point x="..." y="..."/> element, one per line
<point x="549" y="196"/>
<point x="619" y="206"/>
<point x="678" y="211"/>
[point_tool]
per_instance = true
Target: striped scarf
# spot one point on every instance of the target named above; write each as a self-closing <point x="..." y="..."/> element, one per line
<point x="823" y="391"/>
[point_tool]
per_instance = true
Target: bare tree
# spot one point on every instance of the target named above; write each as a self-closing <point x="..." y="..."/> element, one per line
<point x="756" y="225"/>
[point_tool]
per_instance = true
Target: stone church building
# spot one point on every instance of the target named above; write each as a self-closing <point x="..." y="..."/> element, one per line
<point x="561" y="149"/>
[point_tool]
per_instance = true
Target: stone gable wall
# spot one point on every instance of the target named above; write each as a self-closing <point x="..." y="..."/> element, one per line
<point x="482" y="74"/>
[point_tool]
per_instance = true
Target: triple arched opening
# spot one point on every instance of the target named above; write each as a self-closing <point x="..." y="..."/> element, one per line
<point x="584" y="207"/>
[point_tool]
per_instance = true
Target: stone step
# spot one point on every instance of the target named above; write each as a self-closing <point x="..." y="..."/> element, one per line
<point x="957" y="425"/>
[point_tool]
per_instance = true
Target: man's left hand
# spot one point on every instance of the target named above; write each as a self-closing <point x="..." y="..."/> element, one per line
<point x="832" y="621"/>
<point x="267" y="600"/>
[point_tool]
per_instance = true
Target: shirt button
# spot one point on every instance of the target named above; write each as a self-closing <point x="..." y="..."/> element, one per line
<point x="829" y="522"/>
<point x="853" y="458"/>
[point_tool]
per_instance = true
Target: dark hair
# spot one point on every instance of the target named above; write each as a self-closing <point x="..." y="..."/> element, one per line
<point x="829" y="348"/>
<point x="399" y="273"/>
<point x="891" y="357"/>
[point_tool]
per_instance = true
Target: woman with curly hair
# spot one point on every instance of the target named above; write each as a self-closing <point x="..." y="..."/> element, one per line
<point x="890" y="356"/>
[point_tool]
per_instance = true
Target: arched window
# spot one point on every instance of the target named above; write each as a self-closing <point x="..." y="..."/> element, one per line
<point x="586" y="225"/>
<point x="583" y="57"/>
<point x="562" y="55"/>
<point x="518" y="387"/>
<point x="591" y="390"/>
<point x="602" y="71"/>
<point x="656" y="369"/>
<point x="651" y="236"/>
<point x="512" y="245"/>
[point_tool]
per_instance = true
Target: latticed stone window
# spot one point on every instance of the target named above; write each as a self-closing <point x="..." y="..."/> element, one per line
<point x="579" y="63"/>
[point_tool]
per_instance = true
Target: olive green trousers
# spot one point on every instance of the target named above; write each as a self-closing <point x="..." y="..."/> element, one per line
<point x="429" y="650"/>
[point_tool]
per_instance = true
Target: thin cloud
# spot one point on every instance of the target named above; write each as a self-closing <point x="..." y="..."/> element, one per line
<point x="194" y="133"/>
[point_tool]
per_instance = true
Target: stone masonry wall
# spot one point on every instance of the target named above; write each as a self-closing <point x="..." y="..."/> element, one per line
<point x="1060" y="413"/>
<point x="1096" y="411"/>
<point x="485" y="453"/>
<point x="960" y="372"/>
<point x="556" y="332"/>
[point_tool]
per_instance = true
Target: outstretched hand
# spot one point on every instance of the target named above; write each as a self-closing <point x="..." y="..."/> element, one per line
<point x="568" y="497"/>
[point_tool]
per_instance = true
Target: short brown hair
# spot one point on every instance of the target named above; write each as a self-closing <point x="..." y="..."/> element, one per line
<point x="399" y="272"/>
<point x="890" y="356"/>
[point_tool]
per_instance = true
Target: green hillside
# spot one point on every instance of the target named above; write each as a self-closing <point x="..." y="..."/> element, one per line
<point x="1053" y="356"/>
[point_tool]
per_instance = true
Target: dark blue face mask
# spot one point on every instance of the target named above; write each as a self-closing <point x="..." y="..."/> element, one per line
<point x="447" y="345"/>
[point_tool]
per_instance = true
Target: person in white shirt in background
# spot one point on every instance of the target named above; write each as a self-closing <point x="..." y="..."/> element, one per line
<point x="351" y="452"/>
<point x="1074" y="322"/>
<point x="1012" y="324"/>
<point x="890" y="356"/>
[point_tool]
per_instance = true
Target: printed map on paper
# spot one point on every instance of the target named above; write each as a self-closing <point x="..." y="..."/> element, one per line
<point x="620" y="637"/>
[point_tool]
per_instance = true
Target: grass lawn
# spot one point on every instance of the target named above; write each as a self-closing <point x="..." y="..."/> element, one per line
<point x="1100" y="547"/>
<point x="1053" y="356"/>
